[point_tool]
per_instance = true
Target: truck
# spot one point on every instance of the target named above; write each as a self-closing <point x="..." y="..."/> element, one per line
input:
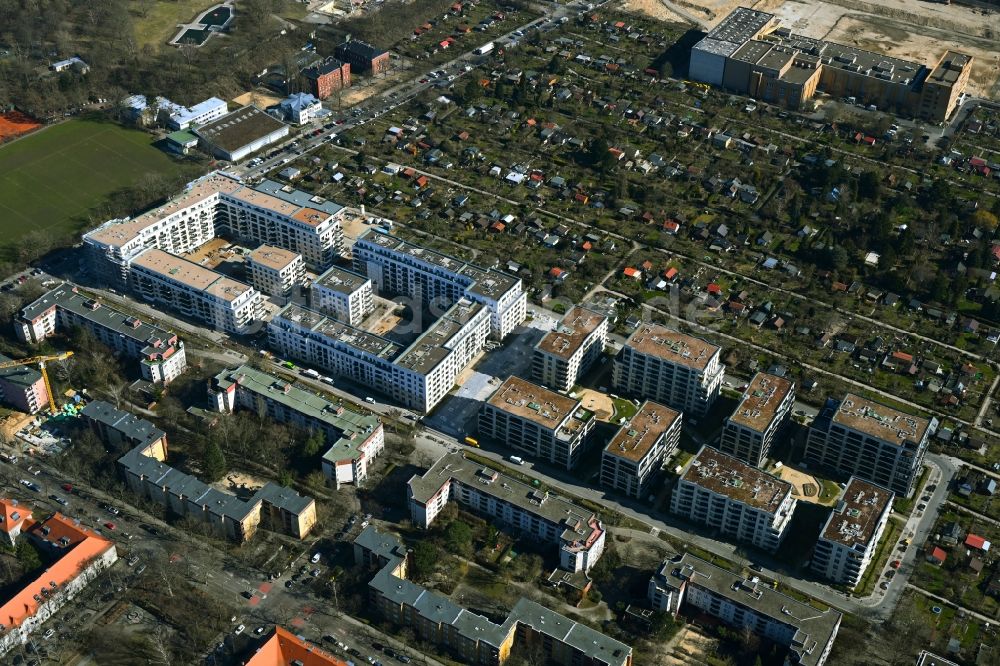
<point x="471" y="442"/>
<point x="485" y="48"/>
<point x="310" y="373"/>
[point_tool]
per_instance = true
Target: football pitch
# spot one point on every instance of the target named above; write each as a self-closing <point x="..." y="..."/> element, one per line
<point x="52" y="179"/>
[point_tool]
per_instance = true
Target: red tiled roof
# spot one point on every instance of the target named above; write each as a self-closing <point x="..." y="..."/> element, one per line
<point x="12" y="515"/>
<point x="630" y="271"/>
<point x="670" y="273"/>
<point x="939" y="554"/>
<point x="976" y="541"/>
<point x="284" y="647"/>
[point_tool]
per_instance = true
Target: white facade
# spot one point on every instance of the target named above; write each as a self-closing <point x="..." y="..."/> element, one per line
<point x="633" y="457"/>
<point x="568" y="351"/>
<point x="211" y="109"/>
<point x="848" y="540"/>
<point x="345" y="295"/>
<point x="276" y="271"/>
<point x="750" y="431"/>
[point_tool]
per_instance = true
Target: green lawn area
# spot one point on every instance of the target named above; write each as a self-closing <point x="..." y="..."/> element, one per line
<point x="624" y="409"/>
<point x="161" y="18"/>
<point x="51" y="179"/>
<point x="866" y="585"/>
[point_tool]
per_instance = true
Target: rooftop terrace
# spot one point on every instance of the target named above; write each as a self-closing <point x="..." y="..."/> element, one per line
<point x="725" y="475"/>
<point x="856" y="516"/>
<point x="634" y="439"/>
<point x="180" y="270"/>
<point x="761" y="400"/>
<point x="880" y="421"/>
<point x="531" y="402"/>
<point x="673" y="346"/>
<point x="568" y="336"/>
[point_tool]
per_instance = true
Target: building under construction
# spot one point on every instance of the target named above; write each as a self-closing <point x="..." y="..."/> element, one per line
<point x="751" y="54"/>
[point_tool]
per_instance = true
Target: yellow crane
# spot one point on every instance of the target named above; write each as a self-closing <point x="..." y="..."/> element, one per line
<point x="40" y="361"/>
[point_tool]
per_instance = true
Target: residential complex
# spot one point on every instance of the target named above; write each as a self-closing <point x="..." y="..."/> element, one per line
<point x="539" y="514"/>
<point x="195" y="291"/>
<point x="537" y="421"/>
<point x="750" y="431"/>
<point x="749" y="53"/>
<point x="568" y="351"/>
<point x="78" y="555"/>
<point x="327" y="77"/>
<point x="851" y="534"/>
<point x="159" y="353"/>
<point x="473" y="638"/>
<point x="633" y="457"/>
<point x="750" y="603"/>
<point x="124" y="430"/>
<point x="877" y="443"/>
<point x="436" y="280"/>
<point x="276" y="271"/>
<point x="417" y="375"/>
<point x="363" y="57"/>
<point x="355" y="439"/>
<point x="345" y="295"/>
<point x="22" y="387"/>
<point x="283" y="648"/>
<point x="235" y="135"/>
<point x="670" y="367"/>
<point x="740" y="501"/>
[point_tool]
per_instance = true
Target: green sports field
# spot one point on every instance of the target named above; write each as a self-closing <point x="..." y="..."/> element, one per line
<point x="50" y="180"/>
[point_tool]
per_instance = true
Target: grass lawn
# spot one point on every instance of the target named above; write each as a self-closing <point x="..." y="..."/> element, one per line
<point x="893" y="530"/>
<point x="159" y="24"/>
<point x="624" y="409"/>
<point x="51" y="179"/>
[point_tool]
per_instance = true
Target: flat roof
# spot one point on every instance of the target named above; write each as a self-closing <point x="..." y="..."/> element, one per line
<point x="342" y="280"/>
<point x="949" y="68"/>
<point x="275" y="258"/>
<point x="761" y="400"/>
<point x="725" y="475"/>
<point x="22" y="375"/>
<point x="127" y="424"/>
<point x="433" y="345"/>
<point x="673" y="346"/>
<point x="239" y="128"/>
<point x="636" y="437"/>
<point x="337" y="331"/>
<point x="180" y="270"/>
<point x="186" y="115"/>
<point x="298" y="197"/>
<point x="568" y="336"/>
<point x="880" y="421"/>
<point x="534" y="403"/>
<point x="855" y="518"/>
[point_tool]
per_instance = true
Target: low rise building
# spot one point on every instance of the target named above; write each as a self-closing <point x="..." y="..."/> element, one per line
<point x="160" y="354"/>
<point x="678" y="370"/>
<point x="740" y="501"/>
<point x="300" y="108"/>
<point x="183" y="117"/>
<point x="568" y="351"/>
<point x="634" y="456"/>
<point x="77" y="556"/>
<point x="577" y="532"/>
<point x="764" y="409"/>
<point x="355" y="439"/>
<point x="344" y="294"/>
<point x="235" y="135"/>
<point x="363" y="57"/>
<point x="750" y="603"/>
<point x="276" y="271"/>
<point x="22" y="387"/>
<point x="472" y="638"/>
<point x="877" y="443"/>
<point x="283" y="648"/>
<point x="327" y="77"/>
<point x="195" y="291"/>
<point x="537" y="421"/>
<point x="123" y="430"/>
<point x="13" y="516"/>
<point x="851" y="534"/>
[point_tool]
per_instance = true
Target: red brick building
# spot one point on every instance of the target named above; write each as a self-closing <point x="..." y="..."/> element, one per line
<point x="327" y="77"/>
<point x="363" y="57"/>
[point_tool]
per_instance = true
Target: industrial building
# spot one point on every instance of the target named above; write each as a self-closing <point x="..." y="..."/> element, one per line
<point x="749" y="53"/>
<point x="860" y="437"/>
<point x="276" y="271"/>
<point x="634" y="456"/>
<point x="764" y="409"/>
<point x="235" y="135"/>
<point x="343" y="294"/>
<point x="851" y="534"/>
<point x="568" y="351"/>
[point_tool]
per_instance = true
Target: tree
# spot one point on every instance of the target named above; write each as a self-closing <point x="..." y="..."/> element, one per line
<point x="984" y="219"/>
<point x="313" y="444"/>
<point x="425" y="556"/>
<point x="213" y="461"/>
<point x="27" y="555"/>
<point x="869" y="186"/>
<point x="458" y="537"/>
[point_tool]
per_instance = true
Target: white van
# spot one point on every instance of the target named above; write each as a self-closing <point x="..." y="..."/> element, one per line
<point x="517" y="460"/>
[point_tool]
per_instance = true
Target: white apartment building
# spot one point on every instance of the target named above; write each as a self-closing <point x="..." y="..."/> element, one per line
<point x="678" y="370"/>
<point x="577" y="531"/>
<point x="276" y="271"/>
<point x="851" y="534"/>
<point x="195" y="291"/>
<point x="217" y="204"/>
<point x="880" y="444"/>
<point x="750" y="603"/>
<point x="534" y="420"/>
<point x="417" y="376"/>
<point x="437" y="280"/>
<point x="343" y="294"/>
<point x="740" y="501"/>
<point x="160" y="354"/>
<point x="633" y="457"/>
<point x="569" y="349"/>
<point x="354" y="439"/>
<point x="751" y="429"/>
<point x="211" y="109"/>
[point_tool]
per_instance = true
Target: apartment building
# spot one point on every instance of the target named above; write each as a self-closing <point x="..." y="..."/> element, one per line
<point x="283" y="648"/>
<point x="667" y="366"/>
<point x="534" y="420"/>
<point x="877" y="443"/>
<point x="417" y="376"/>
<point x="577" y="532"/>
<point x="690" y="582"/>
<point x="473" y="638"/>
<point x="123" y="430"/>
<point x="764" y="409"/>
<point x="13" y="516"/>
<point x="634" y="456"/>
<point x="436" y="281"/>
<point x="22" y="387"/>
<point x="276" y="271"/>
<point x="194" y="291"/>
<point x="77" y="556"/>
<point x="327" y="77"/>
<point x="568" y="351"/>
<point x="740" y="501"/>
<point x="160" y="354"/>
<point x="363" y="57"/>
<point x="851" y="534"/>
<point x="354" y="439"/>
<point x="219" y="204"/>
<point x="345" y="295"/>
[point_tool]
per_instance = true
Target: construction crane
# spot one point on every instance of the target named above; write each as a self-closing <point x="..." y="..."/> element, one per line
<point x="40" y="361"/>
